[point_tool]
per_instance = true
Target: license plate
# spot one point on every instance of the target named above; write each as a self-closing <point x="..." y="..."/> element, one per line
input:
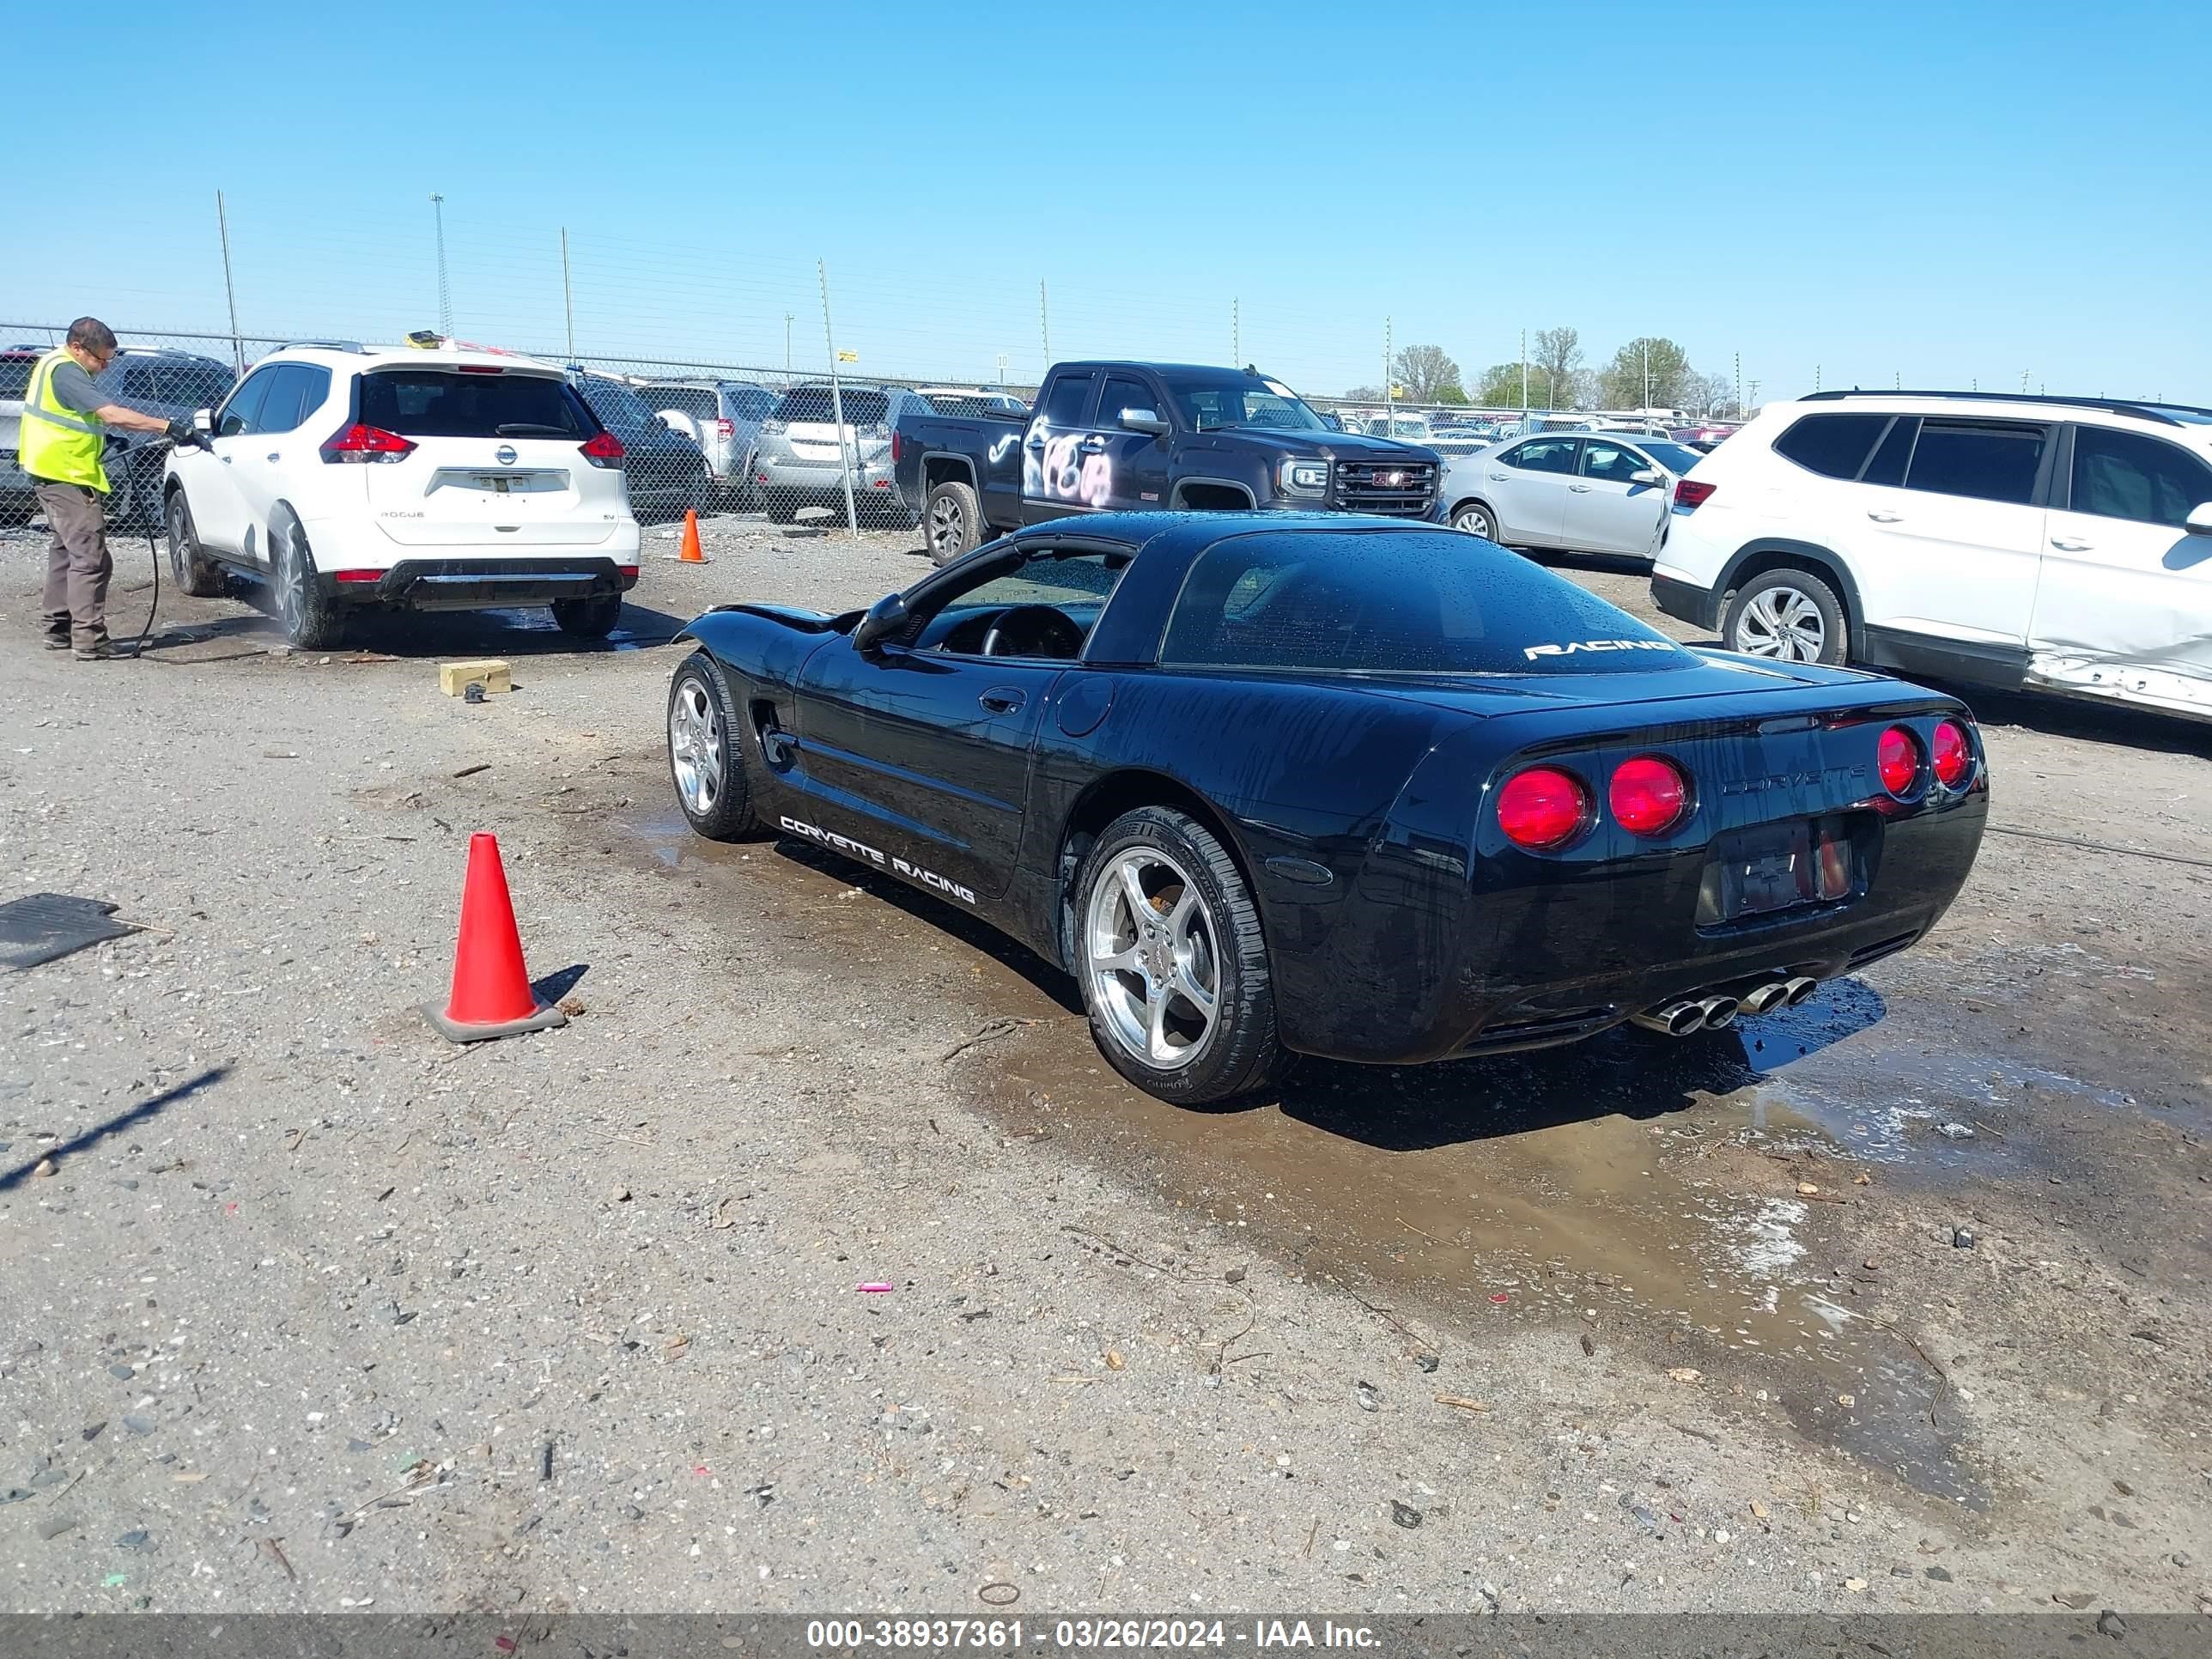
<point x="1776" y="866"/>
<point x="511" y="483"/>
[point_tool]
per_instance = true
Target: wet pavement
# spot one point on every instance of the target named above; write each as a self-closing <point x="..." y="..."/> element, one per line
<point x="1704" y="1199"/>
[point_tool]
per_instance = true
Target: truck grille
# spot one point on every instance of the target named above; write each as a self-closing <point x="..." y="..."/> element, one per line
<point x="1402" y="488"/>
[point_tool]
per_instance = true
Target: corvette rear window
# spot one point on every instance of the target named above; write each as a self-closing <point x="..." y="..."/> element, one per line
<point x="1401" y="602"/>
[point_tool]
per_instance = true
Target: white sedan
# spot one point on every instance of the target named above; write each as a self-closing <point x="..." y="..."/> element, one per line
<point x="1581" y="492"/>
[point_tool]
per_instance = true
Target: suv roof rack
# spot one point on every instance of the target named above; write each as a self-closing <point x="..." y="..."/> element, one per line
<point x="328" y="345"/>
<point x="2163" y="413"/>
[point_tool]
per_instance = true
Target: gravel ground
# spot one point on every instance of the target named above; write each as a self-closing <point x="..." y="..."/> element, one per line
<point x="309" y="1310"/>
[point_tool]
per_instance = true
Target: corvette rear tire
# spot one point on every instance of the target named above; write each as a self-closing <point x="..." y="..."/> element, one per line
<point x="1174" y="970"/>
<point x="704" y="760"/>
<point x="1787" y="615"/>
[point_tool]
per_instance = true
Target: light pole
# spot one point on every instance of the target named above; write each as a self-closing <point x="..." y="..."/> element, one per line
<point x="445" y="292"/>
<point x="786" y="343"/>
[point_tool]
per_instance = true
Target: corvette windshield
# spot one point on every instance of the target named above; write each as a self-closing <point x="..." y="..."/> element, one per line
<point x="1383" y="602"/>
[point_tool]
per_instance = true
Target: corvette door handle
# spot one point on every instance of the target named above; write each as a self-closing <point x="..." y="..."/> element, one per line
<point x="2065" y="545"/>
<point x="1880" y="517"/>
<point x="1002" y="700"/>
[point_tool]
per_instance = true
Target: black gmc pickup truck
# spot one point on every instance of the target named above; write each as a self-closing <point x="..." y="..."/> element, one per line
<point x="1107" y="437"/>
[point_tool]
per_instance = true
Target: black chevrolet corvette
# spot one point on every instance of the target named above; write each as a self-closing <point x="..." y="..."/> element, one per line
<point x="1268" y="784"/>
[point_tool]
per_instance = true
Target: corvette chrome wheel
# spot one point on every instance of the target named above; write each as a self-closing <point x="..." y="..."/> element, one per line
<point x="1153" y="952"/>
<point x="696" y="751"/>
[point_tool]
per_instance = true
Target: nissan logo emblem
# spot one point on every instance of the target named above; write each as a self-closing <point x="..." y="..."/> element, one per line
<point x="504" y="454"/>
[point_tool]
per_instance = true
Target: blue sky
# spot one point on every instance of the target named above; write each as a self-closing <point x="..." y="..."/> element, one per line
<point x="1948" y="192"/>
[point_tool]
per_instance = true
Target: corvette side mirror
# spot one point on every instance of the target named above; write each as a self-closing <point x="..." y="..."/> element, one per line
<point x="886" y="619"/>
<point x="2199" y="521"/>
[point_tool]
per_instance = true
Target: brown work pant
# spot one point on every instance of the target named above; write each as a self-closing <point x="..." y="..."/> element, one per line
<point x="78" y="565"/>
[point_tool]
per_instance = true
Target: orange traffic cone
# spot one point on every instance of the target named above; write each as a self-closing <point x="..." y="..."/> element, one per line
<point x="491" y="995"/>
<point x="690" y="553"/>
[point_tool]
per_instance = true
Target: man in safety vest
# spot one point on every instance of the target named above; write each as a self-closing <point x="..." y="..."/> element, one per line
<point x="65" y="422"/>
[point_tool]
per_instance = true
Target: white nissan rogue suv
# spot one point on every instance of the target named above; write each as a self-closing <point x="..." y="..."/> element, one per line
<point x="437" y="480"/>
<point x="2057" y="543"/>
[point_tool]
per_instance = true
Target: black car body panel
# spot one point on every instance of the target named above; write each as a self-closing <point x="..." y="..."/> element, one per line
<point x="1400" y="923"/>
<point x="1071" y="455"/>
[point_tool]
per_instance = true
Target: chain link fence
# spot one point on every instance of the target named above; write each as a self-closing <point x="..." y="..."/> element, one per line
<point x="701" y="437"/>
<point x="697" y="436"/>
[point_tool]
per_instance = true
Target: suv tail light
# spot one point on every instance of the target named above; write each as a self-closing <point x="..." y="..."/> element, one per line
<point x="605" y="450"/>
<point x="1897" y="760"/>
<point x="1542" y="808"/>
<point x="1955" y="755"/>
<point x="726" y="428"/>
<point x="1692" y="493"/>
<point x="1648" y="795"/>
<point x="894" y="444"/>
<point x="358" y="445"/>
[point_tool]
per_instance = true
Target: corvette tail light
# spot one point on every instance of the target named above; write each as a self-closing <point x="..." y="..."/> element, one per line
<point x="1542" y="808"/>
<point x="1648" y="795"/>
<point x="1897" y="760"/>
<point x="605" y="450"/>
<point x="1692" y="493"/>
<point x="358" y="445"/>
<point x="1954" y="762"/>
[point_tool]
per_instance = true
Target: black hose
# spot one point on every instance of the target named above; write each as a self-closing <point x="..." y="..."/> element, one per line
<point x="138" y="648"/>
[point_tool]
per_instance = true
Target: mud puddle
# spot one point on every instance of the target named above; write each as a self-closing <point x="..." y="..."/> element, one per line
<point x="1645" y="1192"/>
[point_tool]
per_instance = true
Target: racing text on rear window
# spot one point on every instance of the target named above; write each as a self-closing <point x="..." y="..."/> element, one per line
<point x="1397" y="603"/>
<point x="430" y="402"/>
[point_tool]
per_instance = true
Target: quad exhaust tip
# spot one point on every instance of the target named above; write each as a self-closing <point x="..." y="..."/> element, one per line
<point x="1719" y="1013"/>
<point x="1675" y="1020"/>
<point x="1771" y="994"/>
<point x="1689" y="1015"/>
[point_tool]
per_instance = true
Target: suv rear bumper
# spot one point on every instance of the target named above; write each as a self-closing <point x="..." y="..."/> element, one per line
<point x="1684" y="601"/>
<point x="486" y="584"/>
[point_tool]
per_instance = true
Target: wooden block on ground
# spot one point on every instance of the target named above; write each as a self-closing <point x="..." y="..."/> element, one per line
<point x="491" y="673"/>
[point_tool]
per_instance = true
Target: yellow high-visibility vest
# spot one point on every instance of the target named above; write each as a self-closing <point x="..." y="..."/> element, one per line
<point x="59" y="445"/>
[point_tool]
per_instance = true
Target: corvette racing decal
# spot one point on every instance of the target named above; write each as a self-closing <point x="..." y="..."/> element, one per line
<point x="1536" y="651"/>
<point x="861" y="850"/>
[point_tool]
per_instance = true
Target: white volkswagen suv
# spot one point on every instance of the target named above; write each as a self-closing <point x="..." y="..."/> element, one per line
<point x="439" y="480"/>
<point x="2057" y="543"/>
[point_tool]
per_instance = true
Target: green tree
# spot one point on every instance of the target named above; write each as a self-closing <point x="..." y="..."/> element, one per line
<point x="1500" y="386"/>
<point x="1652" y="363"/>
<point x="1450" y="394"/>
<point x="1558" y="357"/>
<point x="1424" y="370"/>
